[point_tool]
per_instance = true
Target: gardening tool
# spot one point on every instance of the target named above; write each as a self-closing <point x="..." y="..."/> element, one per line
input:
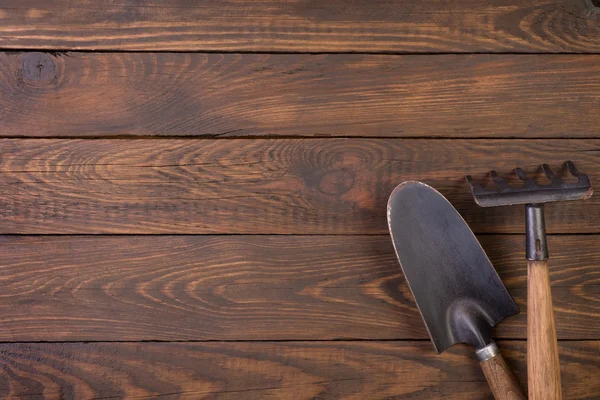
<point x="458" y="292"/>
<point x="543" y="368"/>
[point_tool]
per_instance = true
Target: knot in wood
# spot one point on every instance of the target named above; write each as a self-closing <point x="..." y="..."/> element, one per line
<point x="39" y="68"/>
<point x="337" y="182"/>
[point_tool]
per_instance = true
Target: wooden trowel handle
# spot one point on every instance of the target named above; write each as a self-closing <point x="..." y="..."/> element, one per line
<point x="543" y="368"/>
<point x="500" y="378"/>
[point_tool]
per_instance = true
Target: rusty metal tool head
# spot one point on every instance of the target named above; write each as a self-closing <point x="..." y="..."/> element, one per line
<point x="531" y="192"/>
<point x="533" y="195"/>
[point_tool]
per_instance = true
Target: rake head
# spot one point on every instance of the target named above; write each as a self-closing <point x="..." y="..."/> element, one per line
<point x="531" y="192"/>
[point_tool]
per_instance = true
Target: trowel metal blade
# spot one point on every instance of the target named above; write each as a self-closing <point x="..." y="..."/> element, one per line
<point x="455" y="286"/>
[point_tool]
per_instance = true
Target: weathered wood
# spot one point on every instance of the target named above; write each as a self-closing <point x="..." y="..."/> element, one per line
<point x="303" y="25"/>
<point x="295" y="186"/>
<point x="254" y="288"/>
<point x="87" y="94"/>
<point x="298" y="370"/>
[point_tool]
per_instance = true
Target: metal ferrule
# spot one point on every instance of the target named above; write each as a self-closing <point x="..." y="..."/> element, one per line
<point x="537" y="247"/>
<point x="487" y="352"/>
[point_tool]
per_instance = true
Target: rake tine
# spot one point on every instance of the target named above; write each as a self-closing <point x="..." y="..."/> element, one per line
<point x="495" y="177"/>
<point x="548" y="172"/>
<point x="521" y="174"/>
<point x="500" y="182"/>
<point x="572" y="169"/>
<point x="475" y="186"/>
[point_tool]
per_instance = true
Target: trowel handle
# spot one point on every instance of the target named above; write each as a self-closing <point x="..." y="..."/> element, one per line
<point x="543" y="367"/>
<point x="502" y="381"/>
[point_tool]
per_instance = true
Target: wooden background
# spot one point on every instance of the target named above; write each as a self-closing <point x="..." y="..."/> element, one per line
<point x="192" y="193"/>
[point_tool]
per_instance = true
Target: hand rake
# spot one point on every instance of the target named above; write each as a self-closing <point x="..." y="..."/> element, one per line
<point x="543" y="368"/>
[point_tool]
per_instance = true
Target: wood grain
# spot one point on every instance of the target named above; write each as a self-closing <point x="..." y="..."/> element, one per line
<point x="295" y="186"/>
<point x="543" y="364"/>
<point x="298" y="370"/>
<point x="303" y="25"/>
<point x="502" y="381"/>
<point x="254" y="288"/>
<point x="140" y="94"/>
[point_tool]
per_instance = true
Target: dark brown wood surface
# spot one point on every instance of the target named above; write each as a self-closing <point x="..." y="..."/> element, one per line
<point x="255" y="288"/>
<point x="225" y="95"/>
<point x="288" y="370"/>
<point x="193" y="193"/>
<point x="287" y="186"/>
<point x="303" y="25"/>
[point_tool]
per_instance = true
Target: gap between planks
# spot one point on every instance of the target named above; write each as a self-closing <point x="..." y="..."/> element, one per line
<point x="503" y="339"/>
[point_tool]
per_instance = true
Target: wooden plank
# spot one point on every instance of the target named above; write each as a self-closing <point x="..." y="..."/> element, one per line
<point x="254" y="288"/>
<point x="303" y="25"/>
<point x="296" y="186"/>
<point x="140" y="94"/>
<point x="298" y="370"/>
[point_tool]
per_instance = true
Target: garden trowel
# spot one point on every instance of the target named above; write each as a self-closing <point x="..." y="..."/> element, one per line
<point x="456" y="288"/>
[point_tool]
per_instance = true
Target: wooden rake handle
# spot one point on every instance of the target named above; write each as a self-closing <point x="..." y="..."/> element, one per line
<point x="502" y="381"/>
<point x="543" y="367"/>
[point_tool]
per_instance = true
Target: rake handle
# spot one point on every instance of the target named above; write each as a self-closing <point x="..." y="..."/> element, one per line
<point x="543" y="367"/>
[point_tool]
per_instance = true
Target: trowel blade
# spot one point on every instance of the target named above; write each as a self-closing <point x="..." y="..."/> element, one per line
<point x="455" y="286"/>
